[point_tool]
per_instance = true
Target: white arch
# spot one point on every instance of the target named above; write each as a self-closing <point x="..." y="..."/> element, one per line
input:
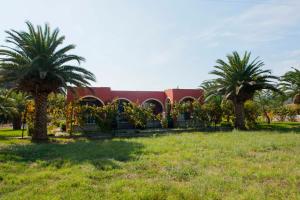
<point x="186" y="97"/>
<point x="86" y="96"/>
<point x="162" y="106"/>
<point x="122" y="98"/>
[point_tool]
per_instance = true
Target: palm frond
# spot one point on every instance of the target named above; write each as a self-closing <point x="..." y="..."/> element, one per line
<point x="36" y="59"/>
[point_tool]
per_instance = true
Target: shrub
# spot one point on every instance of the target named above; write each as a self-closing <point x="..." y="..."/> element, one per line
<point x="281" y="113"/>
<point x="138" y="116"/>
<point x="292" y="113"/>
<point x="199" y="114"/>
<point x="228" y="111"/>
<point x="251" y="113"/>
<point x="214" y="112"/>
<point x="106" y="117"/>
<point x="226" y="124"/>
<point x="30" y="129"/>
<point x="63" y="126"/>
<point x="163" y="120"/>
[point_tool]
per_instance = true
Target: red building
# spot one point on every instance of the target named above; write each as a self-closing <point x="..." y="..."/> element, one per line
<point x="102" y="95"/>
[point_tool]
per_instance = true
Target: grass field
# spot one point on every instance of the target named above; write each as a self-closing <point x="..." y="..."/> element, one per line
<point x="232" y="165"/>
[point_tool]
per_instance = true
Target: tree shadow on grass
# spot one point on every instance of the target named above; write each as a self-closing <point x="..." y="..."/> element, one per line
<point x="104" y="155"/>
<point x="283" y="127"/>
<point x="3" y="138"/>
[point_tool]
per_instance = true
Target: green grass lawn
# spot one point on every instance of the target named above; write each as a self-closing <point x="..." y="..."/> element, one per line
<point x="231" y="165"/>
<point x="11" y="133"/>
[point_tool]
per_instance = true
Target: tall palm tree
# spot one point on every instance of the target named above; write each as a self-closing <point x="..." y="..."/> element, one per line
<point x="238" y="79"/>
<point x="37" y="64"/>
<point x="290" y="84"/>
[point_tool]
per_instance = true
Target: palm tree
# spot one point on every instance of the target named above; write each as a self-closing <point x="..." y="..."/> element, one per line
<point x="7" y="105"/>
<point x="21" y="100"/>
<point x="36" y="64"/>
<point x="290" y="84"/>
<point x="237" y="80"/>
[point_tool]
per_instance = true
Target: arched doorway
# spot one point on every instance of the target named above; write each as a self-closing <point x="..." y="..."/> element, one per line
<point x="157" y="108"/>
<point x="122" y="121"/>
<point x="154" y="104"/>
<point x="187" y="104"/>
<point x="121" y="103"/>
<point x="91" y="101"/>
<point x="89" y="119"/>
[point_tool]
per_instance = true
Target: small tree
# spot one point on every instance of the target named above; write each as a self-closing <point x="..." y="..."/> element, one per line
<point x="265" y="102"/>
<point x="251" y="113"/>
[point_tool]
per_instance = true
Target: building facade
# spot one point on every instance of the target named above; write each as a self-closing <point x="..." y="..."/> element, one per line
<point x="160" y="101"/>
<point x="101" y="95"/>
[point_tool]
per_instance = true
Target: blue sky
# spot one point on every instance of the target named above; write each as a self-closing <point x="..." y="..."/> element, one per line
<point x="160" y="44"/>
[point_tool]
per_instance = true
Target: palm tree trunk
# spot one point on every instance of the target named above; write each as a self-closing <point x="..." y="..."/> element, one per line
<point x="17" y="122"/>
<point x="239" y="112"/>
<point x="40" y="126"/>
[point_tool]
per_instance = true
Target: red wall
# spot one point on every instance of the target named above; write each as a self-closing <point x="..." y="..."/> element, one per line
<point x="105" y="94"/>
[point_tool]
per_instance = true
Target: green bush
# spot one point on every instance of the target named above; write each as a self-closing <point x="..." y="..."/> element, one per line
<point x="228" y="111"/>
<point x="214" y="112"/>
<point x="63" y="126"/>
<point x="199" y="114"/>
<point x="138" y="116"/>
<point x="106" y="117"/>
<point x="30" y="129"/>
<point x="163" y="121"/>
<point x="281" y="113"/>
<point x="251" y="113"/>
<point x="226" y="124"/>
<point x="292" y="113"/>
